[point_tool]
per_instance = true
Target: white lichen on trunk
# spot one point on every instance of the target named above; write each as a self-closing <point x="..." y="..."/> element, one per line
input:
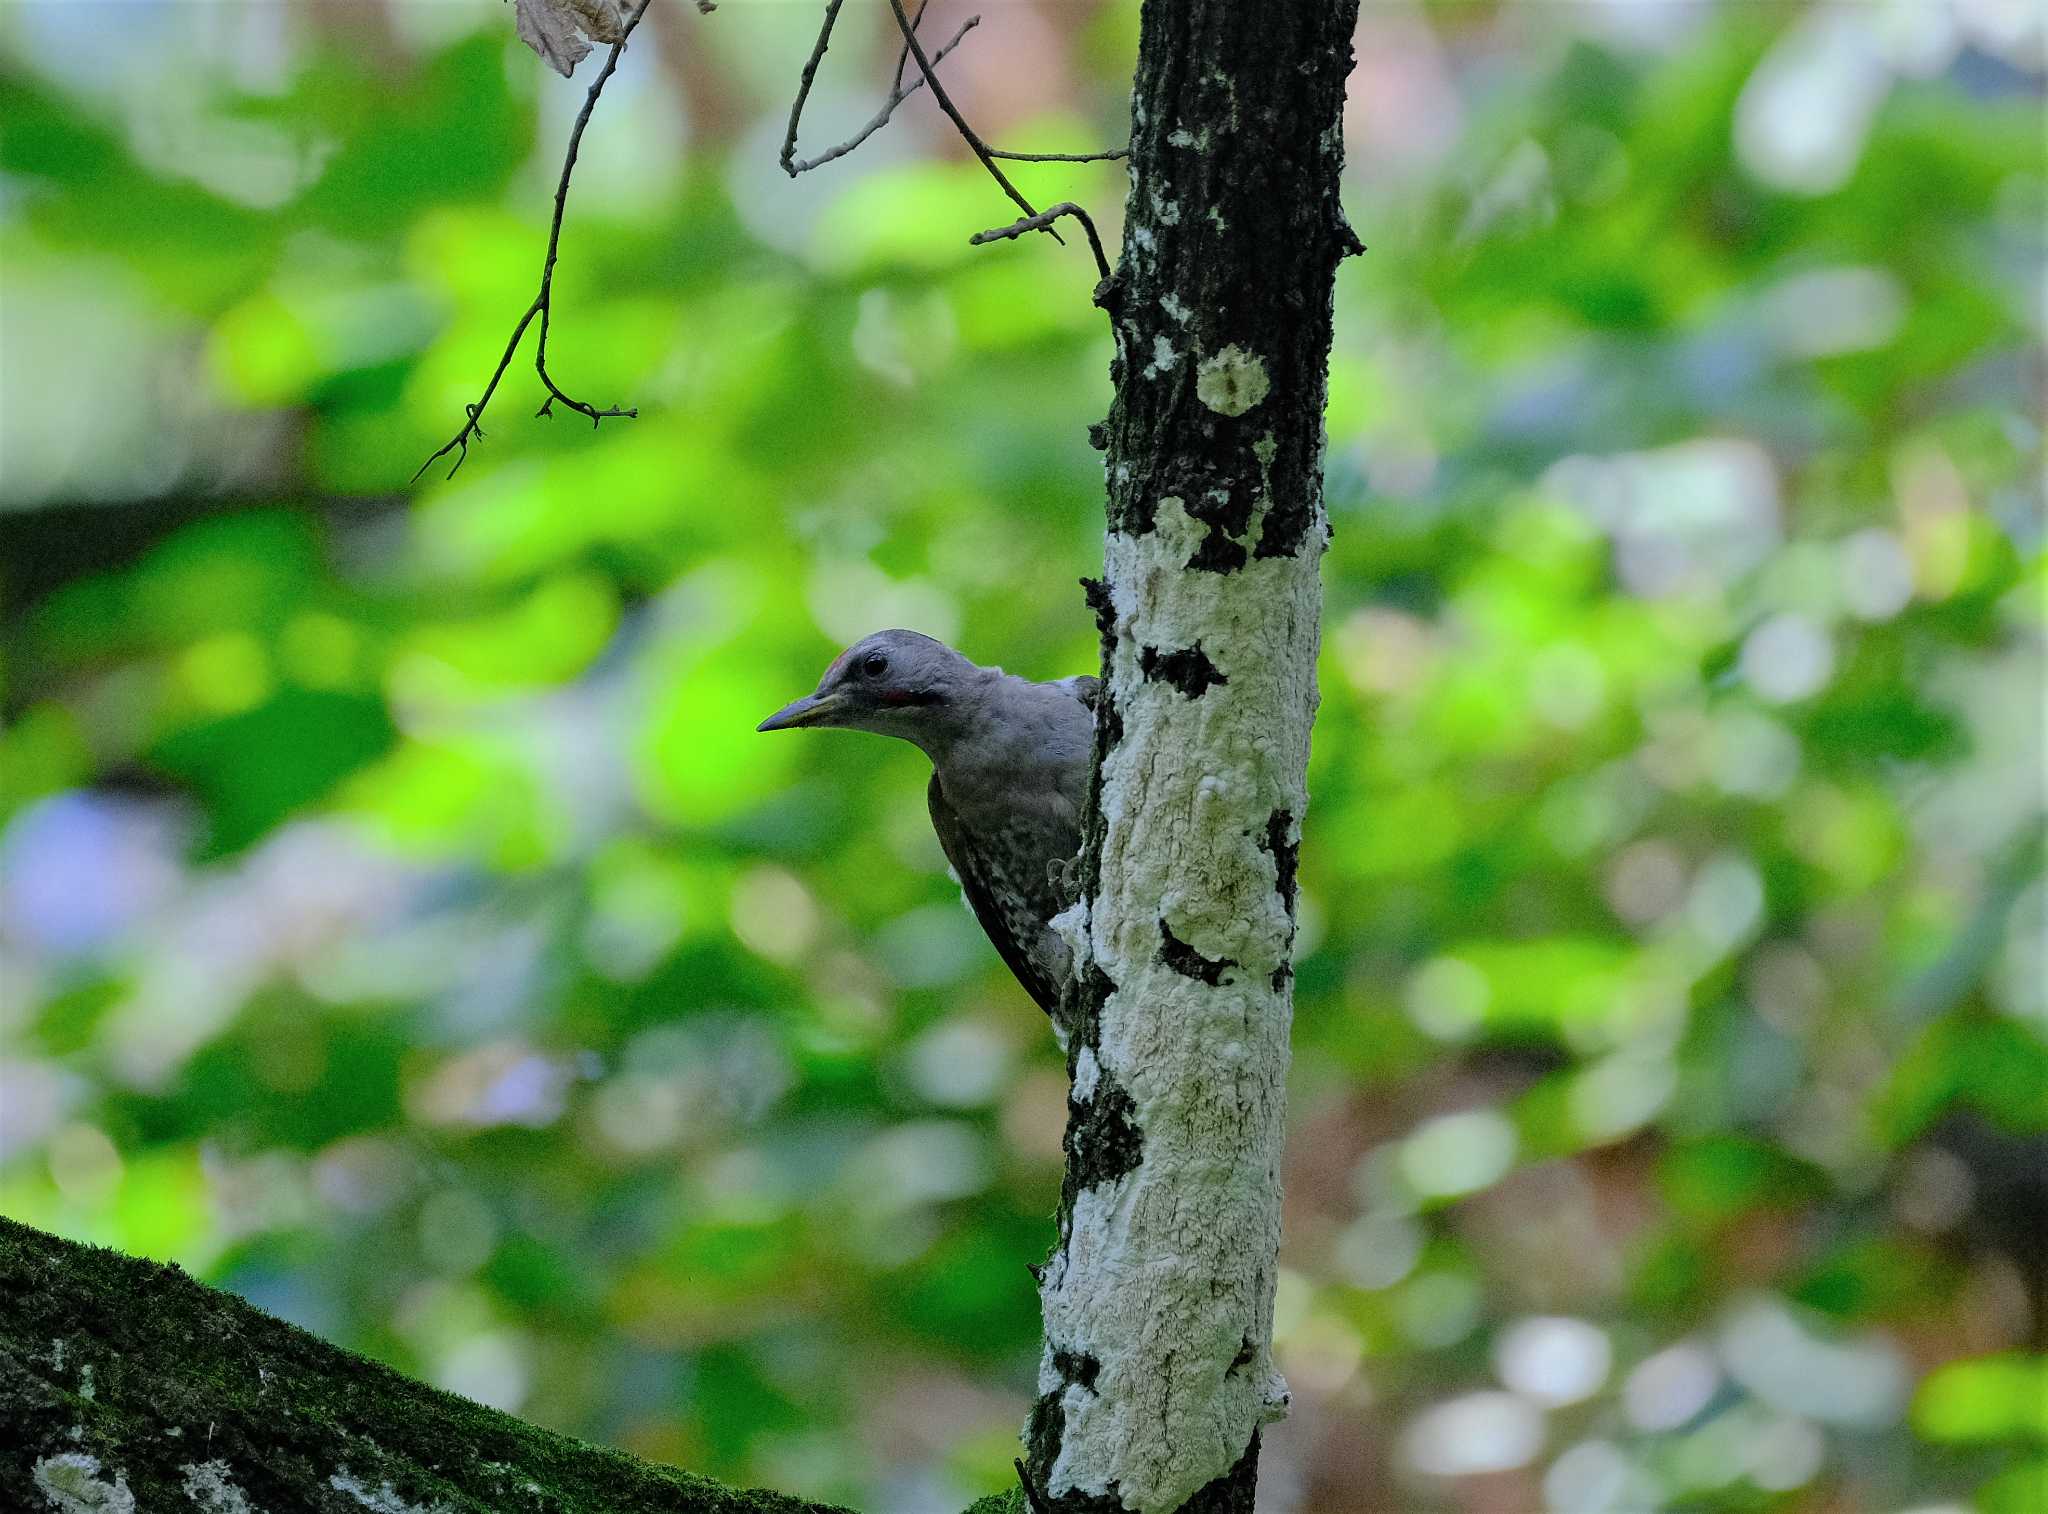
<point x="1166" y="1279"/>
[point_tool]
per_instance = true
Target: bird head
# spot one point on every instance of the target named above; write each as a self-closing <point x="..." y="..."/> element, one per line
<point x="894" y="683"/>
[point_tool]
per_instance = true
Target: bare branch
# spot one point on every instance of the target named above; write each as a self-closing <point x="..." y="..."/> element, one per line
<point x="924" y="66"/>
<point x="1108" y="155"/>
<point x="927" y="67"/>
<point x="804" y="81"/>
<point x="903" y="52"/>
<point x="543" y="301"/>
<point x="1043" y="222"/>
<point x="898" y="93"/>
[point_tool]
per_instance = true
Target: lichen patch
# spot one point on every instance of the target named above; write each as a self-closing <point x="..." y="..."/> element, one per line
<point x="72" y="1484"/>
<point x="1086" y="1071"/>
<point x="382" y="1499"/>
<point x="211" y="1487"/>
<point x="1231" y="382"/>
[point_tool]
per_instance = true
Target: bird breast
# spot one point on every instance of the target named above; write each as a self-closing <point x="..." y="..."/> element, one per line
<point x="1028" y="753"/>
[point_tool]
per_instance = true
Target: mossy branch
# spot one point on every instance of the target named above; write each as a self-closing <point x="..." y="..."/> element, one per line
<point x="125" y="1386"/>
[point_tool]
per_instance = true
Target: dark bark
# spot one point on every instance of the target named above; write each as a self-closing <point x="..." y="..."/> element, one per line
<point x="1255" y="238"/>
<point x="127" y="1386"/>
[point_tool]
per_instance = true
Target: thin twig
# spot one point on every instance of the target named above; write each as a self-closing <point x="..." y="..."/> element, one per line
<point x="1031" y="1498"/>
<point x="543" y="301"/>
<point x="903" y="52"/>
<point x="1042" y="222"/>
<point x="1108" y="155"/>
<point x="924" y="66"/>
<point x="804" y="81"/>
<point x="898" y="93"/>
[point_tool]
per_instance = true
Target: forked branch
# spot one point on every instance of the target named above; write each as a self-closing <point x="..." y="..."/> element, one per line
<point x="543" y="301"/>
<point x="967" y="134"/>
<point x="927" y="76"/>
<point x="898" y="91"/>
<point x="542" y="305"/>
<point x="1043" y="221"/>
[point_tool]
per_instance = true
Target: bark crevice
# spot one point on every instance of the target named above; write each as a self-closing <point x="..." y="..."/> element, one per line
<point x="1188" y="669"/>
<point x="1188" y="962"/>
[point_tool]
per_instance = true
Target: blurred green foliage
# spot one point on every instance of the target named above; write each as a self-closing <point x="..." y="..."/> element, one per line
<point x="405" y="927"/>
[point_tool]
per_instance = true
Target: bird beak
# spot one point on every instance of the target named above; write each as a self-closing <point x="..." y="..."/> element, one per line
<point x="812" y="709"/>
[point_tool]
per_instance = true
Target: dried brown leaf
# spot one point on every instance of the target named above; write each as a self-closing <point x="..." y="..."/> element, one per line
<point x="561" y="31"/>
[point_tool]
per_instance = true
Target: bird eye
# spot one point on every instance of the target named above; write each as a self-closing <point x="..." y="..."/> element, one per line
<point x="874" y="665"/>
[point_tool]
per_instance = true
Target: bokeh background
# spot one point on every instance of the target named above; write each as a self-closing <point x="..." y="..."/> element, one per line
<point x="405" y="928"/>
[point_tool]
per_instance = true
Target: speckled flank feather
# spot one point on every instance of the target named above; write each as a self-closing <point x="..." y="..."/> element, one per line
<point x="1004" y="874"/>
<point x="1006" y="801"/>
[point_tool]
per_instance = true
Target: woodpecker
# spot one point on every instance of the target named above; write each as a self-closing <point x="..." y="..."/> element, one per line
<point x="1010" y="763"/>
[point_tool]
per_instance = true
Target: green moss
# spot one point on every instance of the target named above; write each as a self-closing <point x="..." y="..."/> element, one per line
<point x="186" y="1380"/>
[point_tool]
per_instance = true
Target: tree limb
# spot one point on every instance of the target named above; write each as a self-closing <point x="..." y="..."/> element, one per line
<point x="1107" y="155"/>
<point x="127" y="1385"/>
<point x="1042" y="221"/>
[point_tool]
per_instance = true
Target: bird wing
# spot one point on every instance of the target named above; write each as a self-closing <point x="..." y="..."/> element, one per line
<point x="1012" y="910"/>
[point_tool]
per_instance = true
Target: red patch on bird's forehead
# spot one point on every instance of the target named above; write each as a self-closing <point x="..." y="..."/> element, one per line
<point x="837" y="663"/>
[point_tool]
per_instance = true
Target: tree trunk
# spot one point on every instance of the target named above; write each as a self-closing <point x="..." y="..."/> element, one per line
<point x="1158" y="1371"/>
